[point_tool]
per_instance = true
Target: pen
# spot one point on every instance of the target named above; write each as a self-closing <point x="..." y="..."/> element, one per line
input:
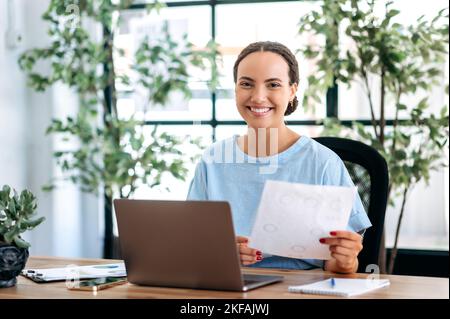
<point x="332" y="282"/>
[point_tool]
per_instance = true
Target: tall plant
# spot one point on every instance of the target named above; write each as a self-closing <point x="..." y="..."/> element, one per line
<point x="114" y="155"/>
<point x="406" y="61"/>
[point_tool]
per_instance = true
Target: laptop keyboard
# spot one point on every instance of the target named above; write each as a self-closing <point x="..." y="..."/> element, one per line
<point x="250" y="281"/>
<point x="251" y="278"/>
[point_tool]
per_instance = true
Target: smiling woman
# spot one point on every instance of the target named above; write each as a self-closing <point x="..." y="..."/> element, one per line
<point x="266" y="83"/>
<point x="266" y="78"/>
<point x="275" y="67"/>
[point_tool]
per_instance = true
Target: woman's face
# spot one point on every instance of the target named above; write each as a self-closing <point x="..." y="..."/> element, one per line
<point x="262" y="89"/>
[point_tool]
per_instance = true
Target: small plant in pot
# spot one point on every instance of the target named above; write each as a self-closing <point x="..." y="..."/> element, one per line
<point x="16" y="216"/>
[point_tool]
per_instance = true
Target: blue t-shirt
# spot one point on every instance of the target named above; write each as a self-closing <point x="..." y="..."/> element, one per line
<point x="226" y="173"/>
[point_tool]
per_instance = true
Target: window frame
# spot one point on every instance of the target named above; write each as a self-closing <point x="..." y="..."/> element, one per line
<point x="331" y="99"/>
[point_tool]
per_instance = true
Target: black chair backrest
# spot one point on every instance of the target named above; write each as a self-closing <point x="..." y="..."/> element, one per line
<point x="369" y="172"/>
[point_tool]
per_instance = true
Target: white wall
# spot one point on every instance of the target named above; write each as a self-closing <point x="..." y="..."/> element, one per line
<point x="12" y="112"/>
<point x="71" y="228"/>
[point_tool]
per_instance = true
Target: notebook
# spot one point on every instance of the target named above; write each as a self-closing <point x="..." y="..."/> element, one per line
<point x="75" y="272"/>
<point x="342" y="287"/>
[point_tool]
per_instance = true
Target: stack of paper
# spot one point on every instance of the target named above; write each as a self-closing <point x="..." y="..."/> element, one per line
<point x="72" y="272"/>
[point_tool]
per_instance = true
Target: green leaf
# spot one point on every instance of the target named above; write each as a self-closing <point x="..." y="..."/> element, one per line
<point x="400" y="155"/>
<point x="392" y="13"/>
<point x="423" y="104"/>
<point x="10" y="234"/>
<point x="21" y="243"/>
<point x="6" y="190"/>
<point x="30" y="224"/>
<point x="48" y="187"/>
<point x="401" y="106"/>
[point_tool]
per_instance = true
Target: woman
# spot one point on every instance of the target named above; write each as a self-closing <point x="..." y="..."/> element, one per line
<point x="266" y="80"/>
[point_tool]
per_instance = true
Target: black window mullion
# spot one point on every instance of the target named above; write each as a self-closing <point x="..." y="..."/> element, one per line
<point x="213" y="94"/>
<point x="332" y="101"/>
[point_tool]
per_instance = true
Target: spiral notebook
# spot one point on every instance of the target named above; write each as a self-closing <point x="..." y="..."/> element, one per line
<point x="341" y="287"/>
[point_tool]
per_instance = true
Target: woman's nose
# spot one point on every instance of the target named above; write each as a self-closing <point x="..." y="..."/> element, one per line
<point x="259" y="95"/>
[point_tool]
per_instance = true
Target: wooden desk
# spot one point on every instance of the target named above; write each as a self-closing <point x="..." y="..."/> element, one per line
<point x="401" y="286"/>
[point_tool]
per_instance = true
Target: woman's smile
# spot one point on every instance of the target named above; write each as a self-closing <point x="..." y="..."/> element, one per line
<point x="260" y="111"/>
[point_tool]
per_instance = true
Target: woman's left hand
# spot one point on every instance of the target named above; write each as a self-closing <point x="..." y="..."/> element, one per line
<point x="344" y="248"/>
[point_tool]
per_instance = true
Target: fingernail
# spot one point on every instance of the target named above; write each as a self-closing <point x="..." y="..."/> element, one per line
<point x="322" y="240"/>
<point x="332" y="233"/>
<point x="259" y="253"/>
<point x="258" y="258"/>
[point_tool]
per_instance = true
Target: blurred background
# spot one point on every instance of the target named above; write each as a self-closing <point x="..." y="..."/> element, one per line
<point x="75" y="219"/>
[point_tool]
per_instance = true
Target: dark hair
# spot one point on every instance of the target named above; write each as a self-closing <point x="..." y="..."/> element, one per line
<point x="284" y="52"/>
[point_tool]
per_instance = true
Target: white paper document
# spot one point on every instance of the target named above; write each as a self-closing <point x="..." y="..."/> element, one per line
<point x="292" y="217"/>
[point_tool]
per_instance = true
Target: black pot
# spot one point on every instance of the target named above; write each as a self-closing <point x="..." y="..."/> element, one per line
<point x="12" y="261"/>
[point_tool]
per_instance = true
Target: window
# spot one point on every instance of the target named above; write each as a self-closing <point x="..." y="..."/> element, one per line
<point x="234" y="25"/>
<point x="353" y="103"/>
<point x="211" y="117"/>
<point x="196" y="23"/>
<point x="426" y="215"/>
<point x="253" y="22"/>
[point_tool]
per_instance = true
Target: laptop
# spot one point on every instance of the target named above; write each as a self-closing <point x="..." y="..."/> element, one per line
<point x="185" y="244"/>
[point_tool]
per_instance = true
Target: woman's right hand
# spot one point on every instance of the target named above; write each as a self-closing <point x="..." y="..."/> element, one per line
<point x="247" y="255"/>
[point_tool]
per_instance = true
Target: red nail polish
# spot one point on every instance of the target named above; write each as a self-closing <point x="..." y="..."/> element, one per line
<point x="322" y="240"/>
<point x="333" y="233"/>
<point x="258" y="258"/>
<point x="259" y="253"/>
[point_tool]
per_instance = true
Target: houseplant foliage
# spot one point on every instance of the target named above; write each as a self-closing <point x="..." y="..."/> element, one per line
<point x="16" y="216"/>
<point x="114" y="155"/>
<point x="406" y="61"/>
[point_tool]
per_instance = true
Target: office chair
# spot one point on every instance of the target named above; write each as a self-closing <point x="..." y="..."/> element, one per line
<point x="369" y="172"/>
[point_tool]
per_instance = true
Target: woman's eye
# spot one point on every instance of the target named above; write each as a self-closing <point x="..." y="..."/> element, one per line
<point x="274" y="85"/>
<point x="245" y="84"/>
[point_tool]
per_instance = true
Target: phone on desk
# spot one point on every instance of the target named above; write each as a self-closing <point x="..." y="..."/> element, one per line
<point x="98" y="283"/>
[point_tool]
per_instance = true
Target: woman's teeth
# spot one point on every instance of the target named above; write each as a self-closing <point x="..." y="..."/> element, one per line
<point x="260" y="110"/>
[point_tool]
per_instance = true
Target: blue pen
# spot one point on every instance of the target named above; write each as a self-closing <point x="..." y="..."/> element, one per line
<point x="106" y="266"/>
<point x="333" y="283"/>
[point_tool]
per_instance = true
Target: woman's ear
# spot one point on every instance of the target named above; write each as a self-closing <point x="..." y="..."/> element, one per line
<point x="294" y="88"/>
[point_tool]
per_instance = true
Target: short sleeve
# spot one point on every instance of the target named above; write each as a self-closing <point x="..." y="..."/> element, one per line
<point x="197" y="187"/>
<point x="336" y="174"/>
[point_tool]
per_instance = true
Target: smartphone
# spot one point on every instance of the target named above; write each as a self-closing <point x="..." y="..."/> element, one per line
<point x="99" y="283"/>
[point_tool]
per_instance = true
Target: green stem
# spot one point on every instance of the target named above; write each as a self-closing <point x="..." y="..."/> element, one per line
<point x="382" y="103"/>
<point x="397" y="232"/>
<point x="369" y="96"/>
<point x="395" y="125"/>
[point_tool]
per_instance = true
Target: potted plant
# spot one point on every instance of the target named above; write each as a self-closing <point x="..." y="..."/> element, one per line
<point x="114" y="155"/>
<point x="406" y="61"/>
<point x="16" y="216"/>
